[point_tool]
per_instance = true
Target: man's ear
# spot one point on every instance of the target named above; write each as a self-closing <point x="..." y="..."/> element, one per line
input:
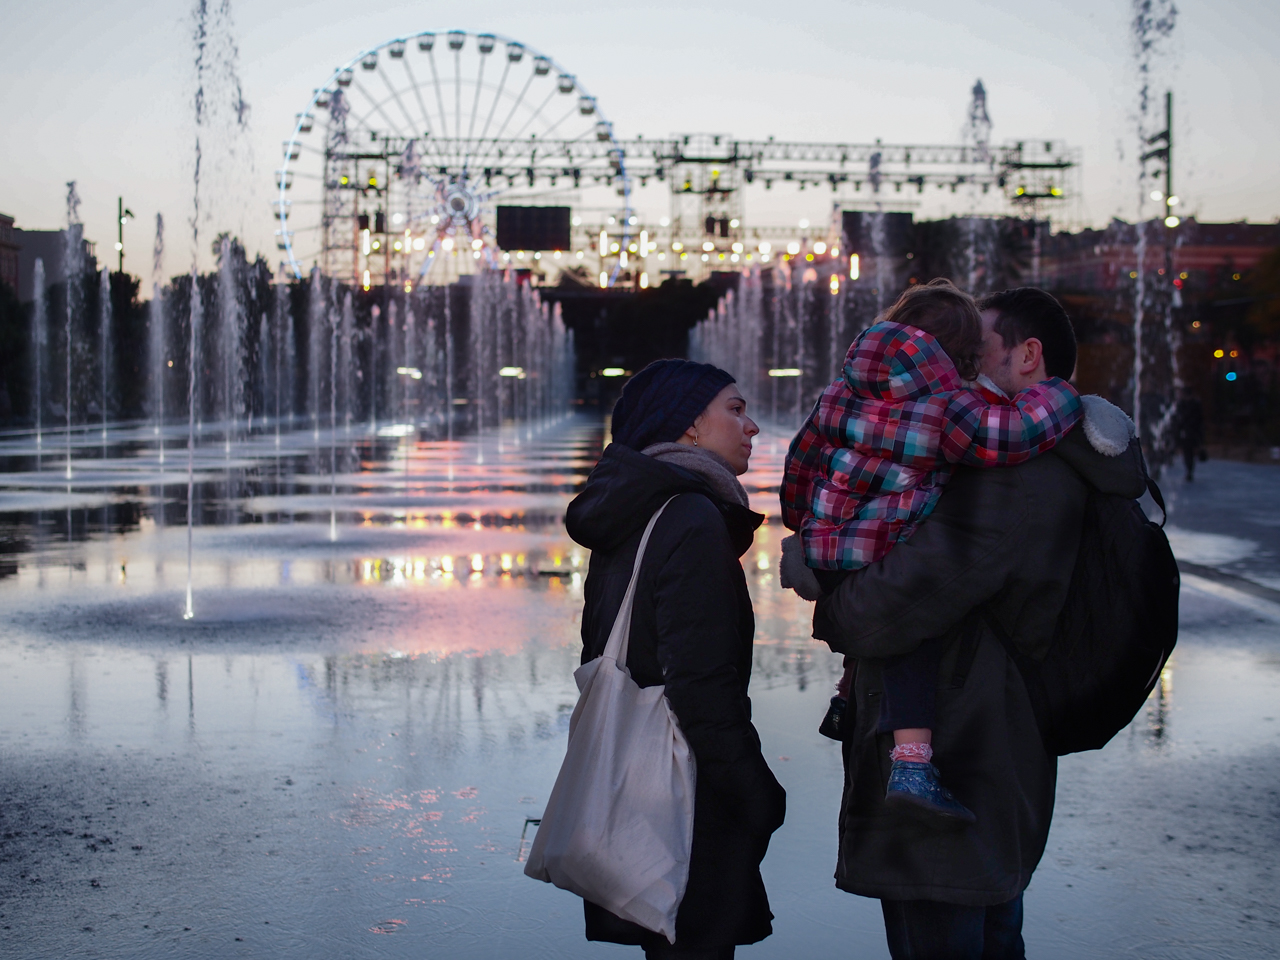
<point x="1030" y="354"/>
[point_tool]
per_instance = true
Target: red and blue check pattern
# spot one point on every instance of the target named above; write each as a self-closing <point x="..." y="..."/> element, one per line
<point x="871" y="460"/>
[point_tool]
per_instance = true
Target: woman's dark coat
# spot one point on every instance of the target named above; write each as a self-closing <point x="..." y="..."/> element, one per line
<point x="691" y="628"/>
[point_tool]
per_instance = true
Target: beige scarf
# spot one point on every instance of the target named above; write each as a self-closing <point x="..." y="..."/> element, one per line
<point x="712" y="467"/>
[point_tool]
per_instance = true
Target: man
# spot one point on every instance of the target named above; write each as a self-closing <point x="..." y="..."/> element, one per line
<point x="1001" y="543"/>
<point x="1188" y="429"/>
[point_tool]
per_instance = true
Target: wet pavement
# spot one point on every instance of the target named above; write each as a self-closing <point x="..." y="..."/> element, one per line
<point x="337" y="756"/>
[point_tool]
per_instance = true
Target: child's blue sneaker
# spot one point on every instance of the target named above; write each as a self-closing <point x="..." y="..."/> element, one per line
<point x="915" y="787"/>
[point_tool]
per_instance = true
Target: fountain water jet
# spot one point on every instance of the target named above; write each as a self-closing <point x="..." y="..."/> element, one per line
<point x="104" y="358"/>
<point x="71" y="258"/>
<point x="197" y="314"/>
<point x="39" y="340"/>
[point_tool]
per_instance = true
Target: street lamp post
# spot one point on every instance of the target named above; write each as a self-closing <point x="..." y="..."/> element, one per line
<point x="122" y="217"/>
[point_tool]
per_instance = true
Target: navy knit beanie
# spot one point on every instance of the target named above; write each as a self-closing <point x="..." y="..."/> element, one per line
<point x="661" y="402"/>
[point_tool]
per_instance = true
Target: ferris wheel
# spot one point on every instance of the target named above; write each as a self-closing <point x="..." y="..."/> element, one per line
<point x="396" y="166"/>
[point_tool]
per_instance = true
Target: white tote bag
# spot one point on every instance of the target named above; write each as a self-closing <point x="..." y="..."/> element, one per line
<point x="618" y="826"/>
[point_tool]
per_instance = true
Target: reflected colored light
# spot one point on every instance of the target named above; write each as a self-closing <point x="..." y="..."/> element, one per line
<point x="835" y="284"/>
<point x="1219" y="354"/>
<point x="613" y="372"/>
<point x="1231" y="376"/>
<point x="762" y="561"/>
<point x="511" y="372"/>
<point x="785" y="372"/>
<point x="409" y="371"/>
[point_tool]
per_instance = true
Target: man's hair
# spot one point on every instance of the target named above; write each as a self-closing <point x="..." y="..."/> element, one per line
<point x="1026" y="312"/>
<point x="948" y="314"/>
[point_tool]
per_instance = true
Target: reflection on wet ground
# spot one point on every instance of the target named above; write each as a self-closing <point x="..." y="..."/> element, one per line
<point x="338" y="754"/>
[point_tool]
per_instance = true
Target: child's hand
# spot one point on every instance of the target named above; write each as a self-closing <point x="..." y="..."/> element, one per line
<point x="793" y="573"/>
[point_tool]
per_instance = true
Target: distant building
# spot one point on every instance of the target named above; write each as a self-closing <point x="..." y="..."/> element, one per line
<point x="49" y="246"/>
<point x="9" y="249"/>
<point x="1100" y="260"/>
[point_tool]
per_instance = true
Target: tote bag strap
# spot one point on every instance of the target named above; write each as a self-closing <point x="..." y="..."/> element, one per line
<point x="620" y="635"/>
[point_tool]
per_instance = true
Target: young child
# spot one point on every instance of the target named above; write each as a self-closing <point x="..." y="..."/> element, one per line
<point x="870" y="462"/>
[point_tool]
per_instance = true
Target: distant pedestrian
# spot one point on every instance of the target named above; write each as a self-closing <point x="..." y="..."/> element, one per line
<point x="681" y="430"/>
<point x="1188" y="430"/>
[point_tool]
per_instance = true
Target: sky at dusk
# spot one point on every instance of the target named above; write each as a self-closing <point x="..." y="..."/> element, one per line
<point x="101" y="93"/>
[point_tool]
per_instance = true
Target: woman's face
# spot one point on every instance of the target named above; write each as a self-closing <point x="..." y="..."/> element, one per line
<point x="725" y="428"/>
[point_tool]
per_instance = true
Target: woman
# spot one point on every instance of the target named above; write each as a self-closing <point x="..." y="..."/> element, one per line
<point x="680" y="429"/>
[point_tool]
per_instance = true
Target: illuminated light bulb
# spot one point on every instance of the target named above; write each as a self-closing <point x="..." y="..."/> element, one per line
<point x="835" y="251"/>
<point x="622" y="259"/>
<point x="808" y="257"/>
<point x="762" y="561"/>
<point x="734" y="223"/>
<point x="446" y="243"/>
<point x="537" y="255"/>
<point x="1171" y="222"/>
<point x="556" y="255"/>
<point x="708" y="246"/>
<point x="854" y="266"/>
<point x="396" y="245"/>
<point x="793" y="247"/>
<point x="446" y="564"/>
<point x="477" y="563"/>
<point x="519" y="254"/>
<point x="664" y="222"/>
<point x="577" y="221"/>
<point x="644" y="243"/>
<point x="819" y="247"/>
<point x="1219" y="354"/>
<point x="733" y="257"/>
<point x="604" y="242"/>
<point x="419" y="243"/>
<point x="614" y="248"/>
<point x="1157" y="196"/>
<point x="764" y="258"/>
<point x="706" y="257"/>
<point x="377" y="244"/>
<point x="804" y="224"/>
<point x="684" y="256"/>
<point x="677" y="246"/>
<point x="477" y="244"/>
<point x="604" y="280"/>
<point x="644" y="281"/>
<point x="835" y="284"/>
<point x="764" y="246"/>
<point x="580" y="254"/>
<point x="435" y="218"/>
<point x="737" y="248"/>
<point x="633" y="248"/>
<point x="506" y="562"/>
<point x="475" y="254"/>
<point x="365" y="280"/>
<point x="662" y="256"/>
<point x="364" y="242"/>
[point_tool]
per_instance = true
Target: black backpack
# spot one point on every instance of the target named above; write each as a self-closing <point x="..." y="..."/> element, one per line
<point x="1116" y="630"/>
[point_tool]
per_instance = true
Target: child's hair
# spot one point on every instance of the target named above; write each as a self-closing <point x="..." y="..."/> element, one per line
<point x="947" y="313"/>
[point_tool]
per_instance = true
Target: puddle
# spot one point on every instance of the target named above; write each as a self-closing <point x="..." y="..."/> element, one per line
<point x="346" y="750"/>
